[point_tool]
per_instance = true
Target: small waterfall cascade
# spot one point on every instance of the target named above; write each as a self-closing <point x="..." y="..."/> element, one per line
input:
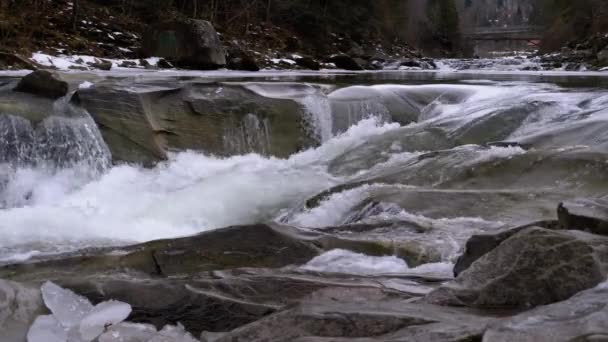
<point x="348" y="113"/>
<point x="319" y="117"/>
<point x="251" y="134"/>
<point x="67" y="139"/>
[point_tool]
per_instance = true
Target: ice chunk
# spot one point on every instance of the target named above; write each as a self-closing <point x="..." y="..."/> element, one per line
<point x="67" y="307"/>
<point x="128" y="332"/>
<point x="103" y="315"/>
<point x="47" y="329"/>
<point x="172" y="333"/>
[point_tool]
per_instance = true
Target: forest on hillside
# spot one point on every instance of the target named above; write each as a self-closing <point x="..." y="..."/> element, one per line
<point x="431" y="25"/>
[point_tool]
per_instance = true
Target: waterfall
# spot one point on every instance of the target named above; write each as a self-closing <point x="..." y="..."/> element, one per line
<point x="67" y="140"/>
<point x="319" y="118"/>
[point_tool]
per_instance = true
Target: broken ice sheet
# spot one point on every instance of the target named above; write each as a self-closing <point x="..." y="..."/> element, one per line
<point x="103" y="314"/>
<point x="67" y="307"/>
<point x="47" y="329"/>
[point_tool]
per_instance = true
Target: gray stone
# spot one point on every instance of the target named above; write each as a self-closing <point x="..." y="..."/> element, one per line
<point x="189" y="43"/>
<point x="581" y="318"/>
<point x="534" y="267"/>
<point x="43" y="83"/>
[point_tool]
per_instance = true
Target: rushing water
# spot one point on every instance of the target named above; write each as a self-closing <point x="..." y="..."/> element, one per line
<point x="58" y="191"/>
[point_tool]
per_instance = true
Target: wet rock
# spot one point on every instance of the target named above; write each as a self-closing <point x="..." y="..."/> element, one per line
<point x="239" y="59"/>
<point x="345" y="62"/>
<point x="102" y="65"/>
<point x="534" y="267"/>
<point x="189" y="44"/>
<point x="128" y="64"/>
<point x="224" y="300"/>
<point x="414" y="253"/>
<point x="233" y="247"/>
<point x="164" y="64"/>
<point x="142" y="122"/>
<point x="43" y="83"/>
<point x="308" y="63"/>
<point x="583" y="317"/>
<point x="479" y="245"/>
<point x="351" y="320"/>
<point x="584" y="214"/>
<point x="410" y="63"/>
<point x="19" y="306"/>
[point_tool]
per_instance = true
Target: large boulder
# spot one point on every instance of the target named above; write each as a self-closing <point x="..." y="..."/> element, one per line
<point x="189" y="44"/>
<point x="142" y="122"/>
<point x="43" y="83"/>
<point x="536" y="266"/>
<point x="19" y="306"/>
<point x="583" y="317"/>
<point x="481" y="244"/>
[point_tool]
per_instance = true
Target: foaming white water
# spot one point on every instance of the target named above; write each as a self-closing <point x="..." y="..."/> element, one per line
<point x="190" y="193"/>
<point x="343" y="261"/>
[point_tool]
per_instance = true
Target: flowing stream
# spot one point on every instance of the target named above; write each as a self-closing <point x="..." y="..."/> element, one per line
<point x="421" y="151"/>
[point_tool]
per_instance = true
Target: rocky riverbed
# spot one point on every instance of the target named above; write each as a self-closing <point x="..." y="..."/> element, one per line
<point x="303" y="207"/>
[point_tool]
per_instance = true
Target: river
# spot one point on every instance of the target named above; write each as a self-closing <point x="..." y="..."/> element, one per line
<point x="433" y="156"/>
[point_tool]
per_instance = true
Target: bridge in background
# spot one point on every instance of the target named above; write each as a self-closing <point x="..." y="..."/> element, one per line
<point x="510" y="38"/>
<point x="524" y="32"/>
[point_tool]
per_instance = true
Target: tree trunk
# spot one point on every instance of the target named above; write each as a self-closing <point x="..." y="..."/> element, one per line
<point x="268" y="9"/>
<point x="75" y="10"/>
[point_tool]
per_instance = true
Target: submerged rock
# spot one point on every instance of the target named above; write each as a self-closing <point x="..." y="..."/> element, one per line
<point x="536" y="266"/>
<point x="189" y="44"/>
<point x="43" y="83"/>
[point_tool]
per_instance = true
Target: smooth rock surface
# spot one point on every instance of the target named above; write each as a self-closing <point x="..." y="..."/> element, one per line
<point x="583" y="317"/>
<point x="142" y="123"/>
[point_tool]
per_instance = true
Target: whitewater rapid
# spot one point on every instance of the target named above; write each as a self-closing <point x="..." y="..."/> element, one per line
<point x="190" y="193"/>
<point x="51" y="209"/>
